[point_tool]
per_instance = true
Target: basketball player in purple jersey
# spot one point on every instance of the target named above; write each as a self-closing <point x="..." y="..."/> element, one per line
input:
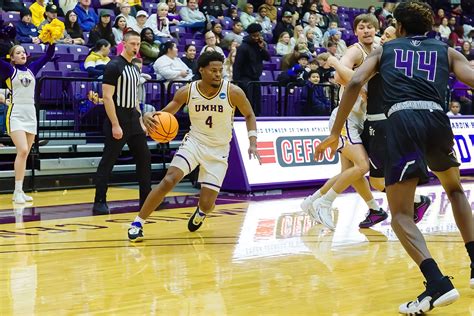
<point x="415" y="72"/>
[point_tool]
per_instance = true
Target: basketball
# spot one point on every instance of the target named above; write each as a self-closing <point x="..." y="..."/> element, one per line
<point x="166" y="129"/>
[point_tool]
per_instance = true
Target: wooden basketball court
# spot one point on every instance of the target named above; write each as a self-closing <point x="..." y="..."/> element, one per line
<point x="254" y="256"/>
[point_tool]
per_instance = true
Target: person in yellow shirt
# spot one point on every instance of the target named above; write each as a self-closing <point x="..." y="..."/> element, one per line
<point x="37" y="12"/>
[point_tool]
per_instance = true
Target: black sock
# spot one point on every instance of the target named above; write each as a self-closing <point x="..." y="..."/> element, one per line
<point x="470" y="251"/>
<point x="430" y="270"/>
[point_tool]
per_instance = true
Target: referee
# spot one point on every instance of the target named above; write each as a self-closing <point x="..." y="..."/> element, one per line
<point x="123" y="124"/>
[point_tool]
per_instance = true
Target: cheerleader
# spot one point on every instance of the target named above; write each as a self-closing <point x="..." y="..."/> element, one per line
<point x="21" y="115"/>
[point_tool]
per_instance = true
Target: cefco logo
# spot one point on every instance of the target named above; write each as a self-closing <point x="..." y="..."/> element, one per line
<point x="294" y="151"/>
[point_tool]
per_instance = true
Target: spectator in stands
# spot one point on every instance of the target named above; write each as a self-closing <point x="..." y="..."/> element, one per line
<point x="454" y="109"/>
<point x="7" y="38"/>
<point x="235" y="35"/>
<point x="229" y="65"/>
<point x="173" y="15"/>
<point x="248" y="64"/>
<point x="120" y="25"/>
<point x="264" y="21"/>
<point x="387" y="8"/>
<point x="456" y="37"/>
<point x="247" y="17"/>
<point x="332" y="15"/>
<point x="452" y="23"/>
<point x="326" y="72"/>
<point x="290" y="59"/>
<point x="125" y="9"/>
<point x="298" y="73"/>
<point x="211" y="41"/>
<point x="113" y="5"/>
<point x="434" y="33"/>
<point x="26" y="32"/>
<point x="216" y="28"/>
<point x="141" y="87"/>
<point x="149" y="49"/>
<point x="313" y="9"/>
<point x="86" y="16"/>
<point x="298" y="35"/>
<point x="159" y="23"/>
<point x="67" y="5"/>
<point x="310" y="42"/>
<point x="11" y="5"/>
<point x="191" y="17"/>
<point x="50" y="13"/>
<point x="135" y="6"/>
<point x="468" y="33"/>
<point x="73" y="29"/>
<point x="371" y="10"/>
<point x="444" y="28"/>
<point x="189" y="59"/>
<point x="466" y="50"/>
<point x="313" y="98"/>
<point x="37" y="12"/>
<point x="439" y="16"/>
<point x="318" y="34"/>
<point x="285" y="25"/>
<point x="97" y="59"/>
<point x="332" y="49"/>
<point x="142" y="17"/>
<point x="295" y="7"/>
<point x="103" y="30"/>
<point x="341" y="47"/>
<point x="332" y="26"/>
<point x="213" y="8"/>
<point x="233" y="13"/>
<point x="168" y="66"/>
<point x="272" y="11"/>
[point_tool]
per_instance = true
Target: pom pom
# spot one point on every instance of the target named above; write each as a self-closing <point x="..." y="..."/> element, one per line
<point x="52" y="32"/>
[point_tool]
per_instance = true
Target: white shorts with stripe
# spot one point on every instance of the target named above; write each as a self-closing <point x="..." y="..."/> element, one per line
<point x="213" y="161"/>
<point x="352" y="130"/>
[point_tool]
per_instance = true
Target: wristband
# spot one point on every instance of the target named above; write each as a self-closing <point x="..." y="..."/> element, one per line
<point x="252" y="133"/>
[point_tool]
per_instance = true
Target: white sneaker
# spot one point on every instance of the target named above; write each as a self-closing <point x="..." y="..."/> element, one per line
<point x="307" y="207"/>
<point x="18" y="198"/>
<point x="324" y="213"/>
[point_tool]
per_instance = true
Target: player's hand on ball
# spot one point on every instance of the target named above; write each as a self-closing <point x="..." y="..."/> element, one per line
<point x="117" y="132"/>
<point x="329" y="142"/>
<point x="149" y="121"/>
<point x="253" y="152"/>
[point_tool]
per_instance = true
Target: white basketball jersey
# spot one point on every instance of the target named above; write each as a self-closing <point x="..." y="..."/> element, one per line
<point x="211" y="118"/>
<point x="360" y="106"/>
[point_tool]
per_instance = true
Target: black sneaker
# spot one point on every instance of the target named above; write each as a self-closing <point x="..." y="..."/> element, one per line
<point x="437" y="294"/>
<point x="373" y="217"/>
<point x="135" y="232"/>
<point x="195" y="221"/>
<point x="421" y="208"/>
<point x="100" y="208"/>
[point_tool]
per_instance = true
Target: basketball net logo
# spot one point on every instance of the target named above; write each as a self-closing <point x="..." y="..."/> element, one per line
<point x="415" y="43"/>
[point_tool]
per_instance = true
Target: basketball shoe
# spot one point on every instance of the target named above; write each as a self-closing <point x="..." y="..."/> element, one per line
<point x="307" y="207"/>
<point x="135" y="232"/>
<point x="437" y="294"/>
<point x="421" y="208"/>
<point x="195" y="221"/>
<point x="19" y="197"/>
<point x="322" y="212"/>
<point x="373" y="217"/>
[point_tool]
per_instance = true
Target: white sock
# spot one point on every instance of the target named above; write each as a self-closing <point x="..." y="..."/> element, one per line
<point x="373" y="205"/>
<point x="18" y="185"/>
<point x="140" y="220"/>
<point x="330" y="196"/>
<point x="316" y="195"/>
<point x="417" y="198"/>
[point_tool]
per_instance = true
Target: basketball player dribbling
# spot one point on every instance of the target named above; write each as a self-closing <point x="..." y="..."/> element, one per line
<point x="354" y="160"/>
<point x="212" y="102"/>
<point x="415" y="73"/>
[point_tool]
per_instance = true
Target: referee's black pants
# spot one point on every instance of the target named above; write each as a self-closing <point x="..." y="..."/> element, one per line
<point x="134" y="136"/>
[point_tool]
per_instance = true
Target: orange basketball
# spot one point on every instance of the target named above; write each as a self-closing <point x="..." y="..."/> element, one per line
<point x="166" y="129"/>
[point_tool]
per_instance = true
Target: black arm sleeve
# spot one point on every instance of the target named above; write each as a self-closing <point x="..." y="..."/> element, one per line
<point x="111" y="74"/>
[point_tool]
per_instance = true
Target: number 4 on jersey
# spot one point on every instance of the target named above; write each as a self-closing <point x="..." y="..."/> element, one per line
<point x="209" y="121"/>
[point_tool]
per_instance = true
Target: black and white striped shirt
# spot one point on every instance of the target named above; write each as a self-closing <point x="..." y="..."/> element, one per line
<point x="125" y="77"/>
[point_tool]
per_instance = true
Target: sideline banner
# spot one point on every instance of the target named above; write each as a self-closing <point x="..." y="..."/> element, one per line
<point x="286" y="147"/>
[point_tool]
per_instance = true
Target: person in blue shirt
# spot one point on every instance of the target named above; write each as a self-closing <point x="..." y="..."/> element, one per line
<point x="26" y="32"/>
<point x="86" y="15"/>
<point x="313" y="98"/>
